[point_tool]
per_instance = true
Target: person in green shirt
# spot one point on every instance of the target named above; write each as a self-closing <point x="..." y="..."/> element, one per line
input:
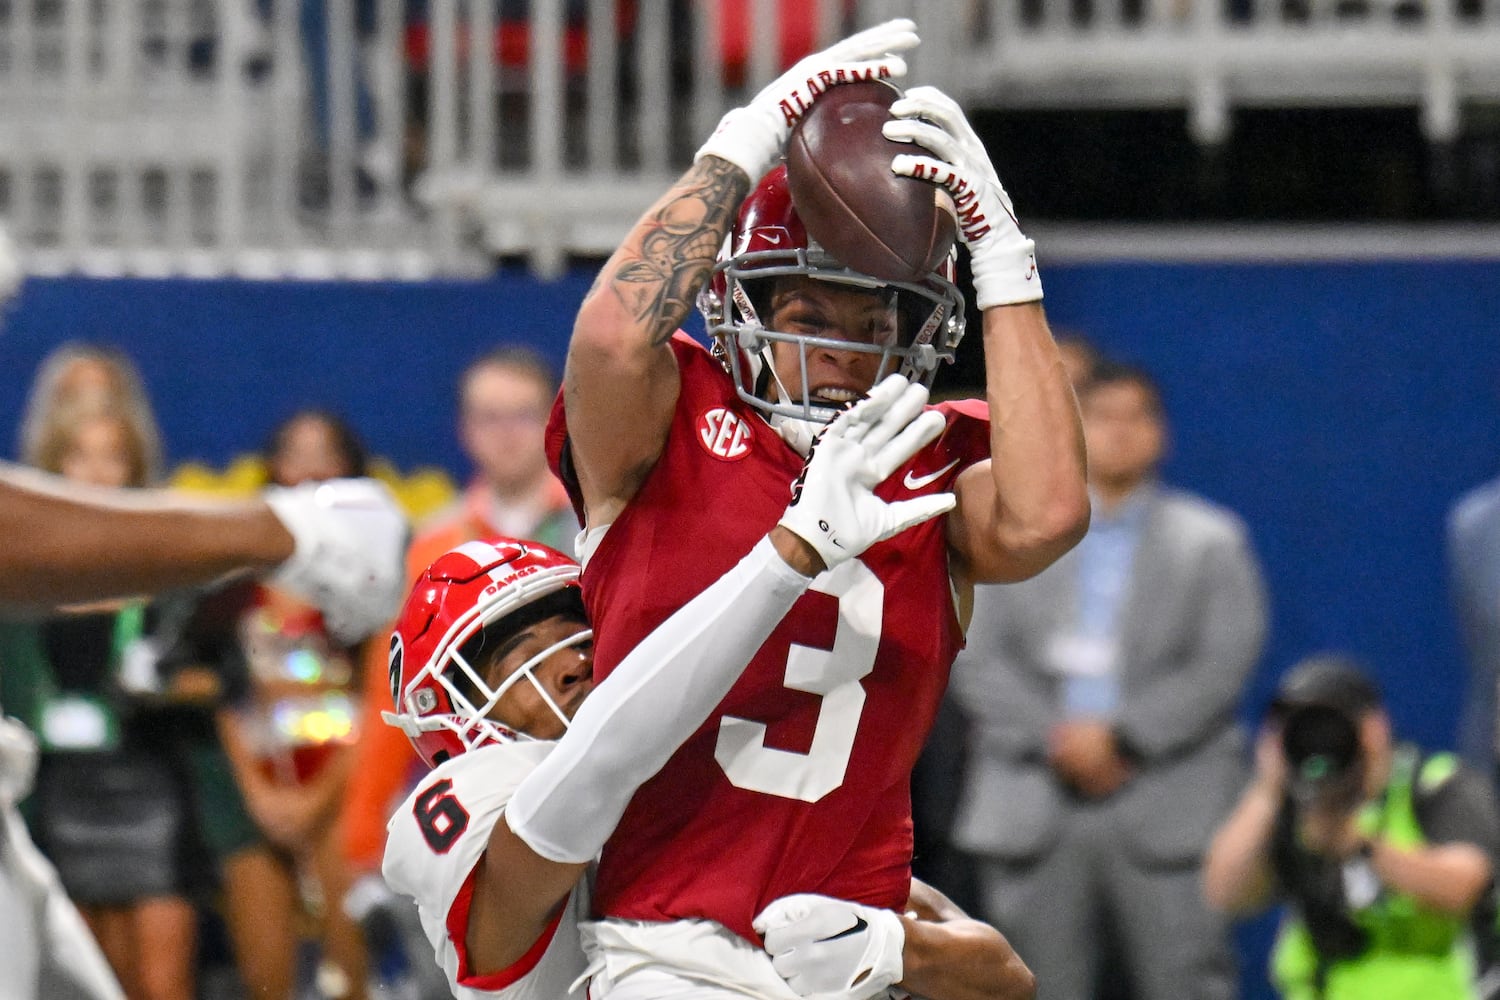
<point x="1383" y="853"/>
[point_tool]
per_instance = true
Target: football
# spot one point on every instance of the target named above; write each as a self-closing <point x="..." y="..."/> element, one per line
<point x="838" y="167"/>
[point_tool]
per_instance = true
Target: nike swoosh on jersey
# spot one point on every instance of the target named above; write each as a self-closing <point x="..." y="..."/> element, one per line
<point x="859" y="925"/>
<point x="917" y="482"/>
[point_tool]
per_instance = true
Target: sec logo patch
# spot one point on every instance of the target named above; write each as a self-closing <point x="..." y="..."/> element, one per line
<point x="724" y="434"/>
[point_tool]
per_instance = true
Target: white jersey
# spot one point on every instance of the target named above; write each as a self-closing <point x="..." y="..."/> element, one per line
<point x="435" y="840"/>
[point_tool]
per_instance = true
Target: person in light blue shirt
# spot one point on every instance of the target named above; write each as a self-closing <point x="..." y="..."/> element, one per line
<point x="1104" y="559"/>
<point x="1103" y="696"/>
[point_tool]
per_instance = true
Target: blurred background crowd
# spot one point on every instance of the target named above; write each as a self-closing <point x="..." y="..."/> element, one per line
<point x="286" y="240"/>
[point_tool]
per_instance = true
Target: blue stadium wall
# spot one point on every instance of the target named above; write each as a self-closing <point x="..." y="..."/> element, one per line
<point x="1339" y="408"/>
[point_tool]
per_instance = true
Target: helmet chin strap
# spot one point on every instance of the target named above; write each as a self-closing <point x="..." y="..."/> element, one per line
<point x="795" y="431"/>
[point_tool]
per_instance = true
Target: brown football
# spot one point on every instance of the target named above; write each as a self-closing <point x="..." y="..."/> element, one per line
<point x="838" y="167"/>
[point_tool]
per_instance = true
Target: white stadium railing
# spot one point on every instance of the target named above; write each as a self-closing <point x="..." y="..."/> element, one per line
<point x="1213" y="56"/>
<point x="180" y="136"/>
<point x="175" y="137"/>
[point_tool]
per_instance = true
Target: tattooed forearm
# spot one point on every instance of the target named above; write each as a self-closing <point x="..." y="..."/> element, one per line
<point x="660" y="268"/>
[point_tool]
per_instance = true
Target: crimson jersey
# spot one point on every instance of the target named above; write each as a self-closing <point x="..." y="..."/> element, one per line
<point x="800" y="780"/>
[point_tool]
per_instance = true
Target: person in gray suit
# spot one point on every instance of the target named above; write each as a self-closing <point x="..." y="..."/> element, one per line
<point x="1103" y="695"/>
<point x="1474" y="580"/>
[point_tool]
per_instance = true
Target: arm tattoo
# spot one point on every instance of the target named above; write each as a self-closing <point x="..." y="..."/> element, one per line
<point x="658" y="276"/>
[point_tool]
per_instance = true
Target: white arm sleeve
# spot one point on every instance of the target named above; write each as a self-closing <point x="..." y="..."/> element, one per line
<point x="652" y="702"/>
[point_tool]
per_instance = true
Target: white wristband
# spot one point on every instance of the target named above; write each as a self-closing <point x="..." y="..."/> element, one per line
<point x="1007" y="276"/>
<point x="744" y="139"/>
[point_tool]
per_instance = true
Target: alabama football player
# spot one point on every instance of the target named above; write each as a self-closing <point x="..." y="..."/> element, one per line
<point x="799" y="780"/>
<point x="491" y="662"/>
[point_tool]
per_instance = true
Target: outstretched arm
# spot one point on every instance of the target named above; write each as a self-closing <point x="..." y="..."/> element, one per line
<point x="563" y="812"/>
<point x="338" y="544"/>
<point x="620" y="383"/>
<point x="62" y="542"/>
<point x="1029" y="504"/>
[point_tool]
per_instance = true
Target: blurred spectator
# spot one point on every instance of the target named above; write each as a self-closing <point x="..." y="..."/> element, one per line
<point x="311" y="446"/>
<point x="1103" y="694"/>
<point x="289" y="736"/>
<point x="77" y="372"/>
<point x="1385" y="852"/>
<point x="1079" y="357"/>
<point x="1474" y="573"/>
<point x="503" y="400"/>
<point x="111" y="802"/>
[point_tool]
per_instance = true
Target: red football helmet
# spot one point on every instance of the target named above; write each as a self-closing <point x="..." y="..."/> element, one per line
<point x="442" y="701"/>
<point x="768" y="240"/>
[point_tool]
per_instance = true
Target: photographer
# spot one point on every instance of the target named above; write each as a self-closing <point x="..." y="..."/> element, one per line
<point x="1383" y="853"/>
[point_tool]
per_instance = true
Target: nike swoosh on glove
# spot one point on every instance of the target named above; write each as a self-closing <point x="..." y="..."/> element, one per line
<point x="830" y="948"/>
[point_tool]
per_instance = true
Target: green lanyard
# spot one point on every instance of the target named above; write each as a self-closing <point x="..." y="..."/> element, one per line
<point x="130" y="622"/>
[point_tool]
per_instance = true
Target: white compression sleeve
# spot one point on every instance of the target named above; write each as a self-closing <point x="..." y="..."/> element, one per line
<point x="653" y="701"/>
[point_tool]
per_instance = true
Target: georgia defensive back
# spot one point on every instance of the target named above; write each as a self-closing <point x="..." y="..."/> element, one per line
<point x="438" y="836"/>
<point x="435" y="841"/>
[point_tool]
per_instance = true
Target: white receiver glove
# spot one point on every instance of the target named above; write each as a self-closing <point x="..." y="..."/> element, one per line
<point x="753" y="137"/>
<point x="834" y="508"/>
<point x="830" y="948"/>
<point x="1003" y="261"/>
<point x="350" y="550"/>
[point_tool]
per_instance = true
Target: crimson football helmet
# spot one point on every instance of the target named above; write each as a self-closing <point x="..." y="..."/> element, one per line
<point x="442" y="700"/>
<point x="768" y="240"/>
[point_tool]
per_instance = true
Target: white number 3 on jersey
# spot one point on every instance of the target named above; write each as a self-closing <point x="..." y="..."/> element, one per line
<point x="833" y="673"/>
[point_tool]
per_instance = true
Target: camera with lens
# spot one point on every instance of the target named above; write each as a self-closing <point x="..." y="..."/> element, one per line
<point x="1319" y="707"/>
<point x="1325" y="762"/>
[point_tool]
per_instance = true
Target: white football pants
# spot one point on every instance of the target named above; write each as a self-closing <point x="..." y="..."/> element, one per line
<point x="50" y="953"/>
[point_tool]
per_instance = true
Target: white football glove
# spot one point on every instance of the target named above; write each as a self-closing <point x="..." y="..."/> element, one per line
<point x="1003" y="261"/>
<point x="830" y="948"/>
<point x="834" y="508"/>
<point x="350" y="552"/>
<point x="753" y="137"/>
